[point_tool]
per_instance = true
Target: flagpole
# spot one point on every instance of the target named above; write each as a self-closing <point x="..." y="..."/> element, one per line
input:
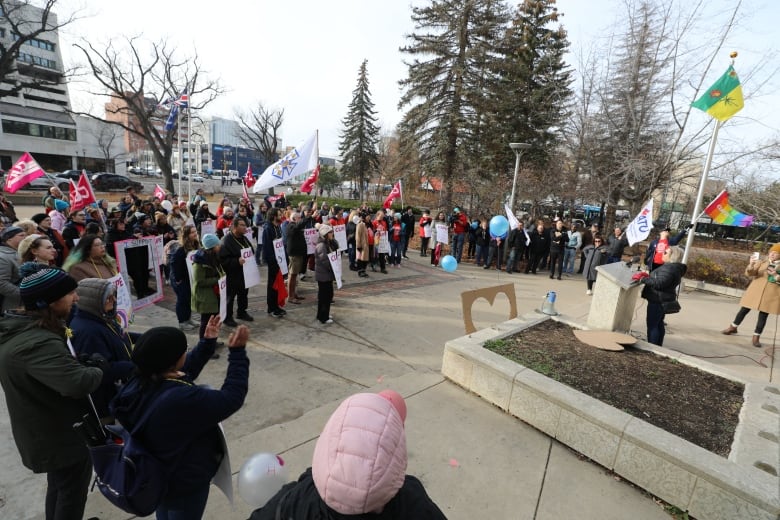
<point x="700" y="195"/>
<point x="178" y="147"/>
<point x="189" y="156"/>
<point x="402" y="193"/>
<point x="317" y="148"/>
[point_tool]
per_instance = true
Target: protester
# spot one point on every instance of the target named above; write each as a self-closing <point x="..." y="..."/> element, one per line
<point x="365" y="439"/>
<point x="7" y="211"/>
<point x="177" y="218"/>
<point x="362" y="247"/>
<point x="655" y="250"/>
<point x="46" y="389"/>
<point x="573" y="246"/>
<point x="37" y="248"/>
<point x="539" y="247"/>
<point x="595" y="255"/>
<point x="89" y="260"/>
<point x="259" y="225"/>
<point x="558" y="241"/>
<point x="117" y="231"/>
<point x="96" y="331"/>
<point x="495" y="250"/>
<point x="59" y="215"/>
<point x="437" y="247"/>
<point x="44" y="228"/>
<point x="407" y="220"/>
<point x="49" y="200"/>
<point x="661" y="287"/>
<point x="472" y="239"/>
<point x="763" y="293"/>
<point x="180" y="277"/>
<point x="203" y="214"/>
<point x="515" y="243"/>
<point x="273" y="231"/>
<point x="296" y="250"/>
<point x="183" y="428"/>
<point x="425" y="231"/>
<point x="10" y="239"/>
<point x="460" y="223"/>
<point x="73" y="229"/>
<point x="617" y="243"/>
<point x="396" y="237"/>
<point x="351" y="227"/>
<point x="482" y="244"/>
<point x="323" y="272"/>
<point x="233" y="265"/>
<point x="206" y="272"/>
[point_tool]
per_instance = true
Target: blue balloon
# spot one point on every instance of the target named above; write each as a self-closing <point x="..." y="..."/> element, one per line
<point x="449" y="264"/>
<point x="474" y="225"/>
<point x="499" y="226"/>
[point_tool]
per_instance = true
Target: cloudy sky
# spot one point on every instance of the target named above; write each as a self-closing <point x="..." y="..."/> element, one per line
<point x="303" y="55"/>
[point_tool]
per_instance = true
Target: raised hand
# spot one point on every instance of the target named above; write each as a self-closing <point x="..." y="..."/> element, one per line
<point x="212" y="327"/>
<point x="239" y="337"/>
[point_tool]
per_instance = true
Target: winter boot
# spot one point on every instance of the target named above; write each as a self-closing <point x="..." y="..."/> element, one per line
<point x="728" y="331"/>
<point x="757" y="343"/>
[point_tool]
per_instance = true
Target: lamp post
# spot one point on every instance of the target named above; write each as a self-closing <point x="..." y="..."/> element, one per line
<point x="518" y="148"/>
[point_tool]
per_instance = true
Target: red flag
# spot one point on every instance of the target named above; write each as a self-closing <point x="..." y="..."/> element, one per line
<point x="311" y="180"/>
<point x="249" y="179"/>
<point x="81" y="194"/>
<point x="21" y="173"/>
<point x="394" y="194"/>
<point x="246" y="193"/>
<point x="281" y="289"/>
<point x="159" y="192"/>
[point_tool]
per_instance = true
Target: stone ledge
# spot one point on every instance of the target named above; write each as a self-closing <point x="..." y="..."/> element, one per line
<point x="709" y="487"/>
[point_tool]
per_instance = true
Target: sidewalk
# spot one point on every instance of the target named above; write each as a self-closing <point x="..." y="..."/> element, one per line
<point x="475" y="461"/>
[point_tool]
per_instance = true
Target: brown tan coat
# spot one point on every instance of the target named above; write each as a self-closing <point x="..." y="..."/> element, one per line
<point x="361" y="242"/>
<point x="761" y="294"/>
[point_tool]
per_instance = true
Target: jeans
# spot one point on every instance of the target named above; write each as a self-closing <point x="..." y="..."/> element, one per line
<point x="351" y="254"/>
<point x="457" y="245"/>
<point x="183" y="295"/>
<point x="510" y="262"/>
<point x="655" y="324"/>
<point x="396" y="249"/>
<point x="569" y="256"/>
<point x="66" y="490"/>
<point x="498" y="253"/>
<point x="482" y="254"/>
<point x="324" y="297"/>
<point x="189" y="507"/>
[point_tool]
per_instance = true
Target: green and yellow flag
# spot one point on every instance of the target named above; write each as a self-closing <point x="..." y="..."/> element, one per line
<point x="724" y="98"/>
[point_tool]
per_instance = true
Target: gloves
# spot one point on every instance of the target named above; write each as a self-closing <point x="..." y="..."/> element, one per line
<point x="689" y="226"/>
<point x="95" y="360"/>
<point x="639" y="276"/>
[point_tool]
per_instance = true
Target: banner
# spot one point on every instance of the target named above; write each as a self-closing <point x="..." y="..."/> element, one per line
<point x="335" y="263"/>
<point x="159" y="193"/>
<point x="311" y="180"/>
<point x="340" y="234"/>
<point x="311" y="235"/>
<point x="22" y="173"/>
<point x="141" y="253"/>
<point x="442" y="234"/>
<point x="300" y="161"/>
<point x="281" y="256"/>
<point x="251" y="272"/>
<point x="639" y="228"/>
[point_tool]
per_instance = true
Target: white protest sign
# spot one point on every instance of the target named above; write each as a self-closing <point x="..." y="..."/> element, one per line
<point x="250" y="236"/>
<point x="281" y="257"/>
<point x="335" y="263"/>
<point x="208" y="226"/>
<point x="442" y="235"/>
<point x="311" y="235"/>
<point x="222" y="284"/>
<point x="251" y="273"/>
<point x="340" y="234"/>
<point x="188" y="259"/>
<point x="124" y="304"/>
<point x="143" y="251"/>
<point x="380" y="238"/>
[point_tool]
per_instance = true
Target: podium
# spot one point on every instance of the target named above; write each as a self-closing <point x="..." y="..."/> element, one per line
<point x="614" y="298"/>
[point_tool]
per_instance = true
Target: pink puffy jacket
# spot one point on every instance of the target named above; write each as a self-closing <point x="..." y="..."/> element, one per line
<point x="360" y="458"/>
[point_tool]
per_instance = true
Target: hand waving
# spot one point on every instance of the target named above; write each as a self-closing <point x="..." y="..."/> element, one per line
<point x="239" y="337"/>
<point x="212" y="328"/>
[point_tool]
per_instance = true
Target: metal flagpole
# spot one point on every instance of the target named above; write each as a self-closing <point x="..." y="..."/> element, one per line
<point x="189" y="153"/>
<point x="401" y="188"/>
<point x="700" y="195"/>
<point x="178" y="146"/>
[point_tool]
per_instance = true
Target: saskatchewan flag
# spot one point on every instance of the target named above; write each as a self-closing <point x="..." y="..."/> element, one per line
<point x="724" y="98"/>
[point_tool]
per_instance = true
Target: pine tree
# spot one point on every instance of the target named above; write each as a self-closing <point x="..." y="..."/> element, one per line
<point x="446" y="91"/>
<point x="360" y="136"/>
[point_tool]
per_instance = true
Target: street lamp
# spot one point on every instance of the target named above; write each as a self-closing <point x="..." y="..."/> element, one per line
<point x="518" y="148"/>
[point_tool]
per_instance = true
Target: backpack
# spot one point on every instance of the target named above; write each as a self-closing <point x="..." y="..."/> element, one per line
<point x="128" y="475"/>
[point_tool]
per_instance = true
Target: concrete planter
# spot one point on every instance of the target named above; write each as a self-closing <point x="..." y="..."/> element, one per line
<point x="709" y="487"/>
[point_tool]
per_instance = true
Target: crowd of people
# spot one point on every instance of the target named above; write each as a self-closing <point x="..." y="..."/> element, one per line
<point x="64" y="353"/>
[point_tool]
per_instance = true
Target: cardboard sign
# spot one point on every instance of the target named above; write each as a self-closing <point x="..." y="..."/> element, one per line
<point x="281" y="256"/>
<point x="340" y="234"/>
<point x="251" y="272"/>
<point x="208" y="226"/>
<point x="442" y="235"/>
<point x="380" y="239"/>
<point x="190" y="270"/>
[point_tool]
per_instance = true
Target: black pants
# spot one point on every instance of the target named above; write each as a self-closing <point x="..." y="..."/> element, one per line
<point x="324" y="297"/>
<point x="66" y="490"/>
<point x="243" y="301"/>
<point x="204" y="320"/>
<point x="424" y="245"/>
<point x="533" y="262"/>
<point x="760" y="323"/>
<point x="272" y="296"/>
<point x="556" y="260"/>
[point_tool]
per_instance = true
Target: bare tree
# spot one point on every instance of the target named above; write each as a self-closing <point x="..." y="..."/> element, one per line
<point x="106" y="135"/>
<point x="138" y="76"/>
<point x="28" y="23"/>
<point x="259" y="130"/>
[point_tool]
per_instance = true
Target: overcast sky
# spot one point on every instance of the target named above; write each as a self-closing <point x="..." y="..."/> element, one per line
<point x="304" y="55"/>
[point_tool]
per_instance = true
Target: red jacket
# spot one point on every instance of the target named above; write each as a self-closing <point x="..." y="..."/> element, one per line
<point x="460" y="224"/>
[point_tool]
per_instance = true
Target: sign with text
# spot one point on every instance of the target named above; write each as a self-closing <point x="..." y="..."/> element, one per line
<point x="335" y="263"/>
<point x="340" y="234"/>
<point x="281" y="256"/>
<point x="251" y="272"/>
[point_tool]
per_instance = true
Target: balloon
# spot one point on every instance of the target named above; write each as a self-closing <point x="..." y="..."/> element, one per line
<point x="167" y="205"/>
<point x="499" y="226"/>
<point x="289" y="190"/>
<point x="449" y="264"/>
<point x="260" y="478"/>
<point x="474" y="225"/>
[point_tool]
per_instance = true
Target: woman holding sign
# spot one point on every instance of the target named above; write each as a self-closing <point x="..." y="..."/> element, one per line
<point x="206" y="273"/>
<point x="233" y="255"/>
<point x="323" y="272"/>
<point x="180" y="276"/>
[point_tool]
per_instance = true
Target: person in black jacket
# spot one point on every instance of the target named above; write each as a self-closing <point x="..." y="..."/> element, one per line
<point x="515" y="243"/>
<point x="203" y="214"/>
<point x="273" y="231"/>
<point x="233" y="264"/>
<point x="182" y="431"/>
<point x="540" y="246"/>
<point x="407" y="219"/>
<point x="296" y="250"/>
<point x="660" y="287"/>
<point x="558" y="241"/>
<point x="180" y="276"/>
<point x="483" y="242"/>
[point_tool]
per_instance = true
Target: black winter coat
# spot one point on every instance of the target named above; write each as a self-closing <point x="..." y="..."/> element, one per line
<point x="662" y="283"/>
<point x="229" y="255"/>
<point x="540" y="242"/>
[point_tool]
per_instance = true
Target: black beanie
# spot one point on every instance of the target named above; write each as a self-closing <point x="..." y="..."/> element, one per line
<point x="38" y="217"/>
<point x="159" y="349"/>
<point x="42" y="285"/>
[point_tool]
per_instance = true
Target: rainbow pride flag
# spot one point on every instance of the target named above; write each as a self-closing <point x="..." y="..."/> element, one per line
<point x="721" y="212"/>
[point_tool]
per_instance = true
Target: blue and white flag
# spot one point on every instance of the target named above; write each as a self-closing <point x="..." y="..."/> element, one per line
<point x="171" y="121"/>
<point x="300" y="161"/>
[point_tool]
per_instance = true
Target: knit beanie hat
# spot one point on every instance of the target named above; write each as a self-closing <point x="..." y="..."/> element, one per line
<point x="324" y="230"/>
<point x="42" y="285"/>
<point x="209" y="241"/>
<point x="93" y="293"/>
<point x="775" y="248"/>
<point x="38" y="217"/>
<point x="158" y="349"/>
<point x="10" y="232"/>
<point x="60" y="205"/>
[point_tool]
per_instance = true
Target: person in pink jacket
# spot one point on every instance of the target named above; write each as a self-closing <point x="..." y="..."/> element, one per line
<point x="358" y="470"/>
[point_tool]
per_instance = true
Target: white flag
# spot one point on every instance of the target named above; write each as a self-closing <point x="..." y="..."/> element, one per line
<point x="513" y="223"/>
<point x="300" y="161"/>
<point x="640" y="227"/>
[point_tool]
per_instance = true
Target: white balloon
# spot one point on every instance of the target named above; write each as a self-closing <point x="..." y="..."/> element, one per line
<point x="260" y="478"/>
<point x="167" y="205"/>
<point x="289" y="190"/>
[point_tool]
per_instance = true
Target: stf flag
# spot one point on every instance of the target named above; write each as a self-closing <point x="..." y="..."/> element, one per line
<point x="21" y="173"/>
<point x="721" y="212"/>
<point x="394" y="194"/>
<point x="81" y="194"/>
<point x="159" y="192"/>
<point x="300" y="161"/>
<point x="249" y="179"/>
<point x="723" y="99"/>
<point x="311" y="180"/>
<point x="639" y="228"/>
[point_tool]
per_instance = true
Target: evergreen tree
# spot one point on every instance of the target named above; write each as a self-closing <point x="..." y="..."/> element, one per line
<point x="453" y="44"/>
<point x="360" y="136"/>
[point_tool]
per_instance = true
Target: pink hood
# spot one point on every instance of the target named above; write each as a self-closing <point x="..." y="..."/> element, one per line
<point x="360" y="458"/>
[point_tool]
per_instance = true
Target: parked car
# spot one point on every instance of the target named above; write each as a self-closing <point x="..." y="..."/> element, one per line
<point x="198" y="178"/>
<point x="73" y="174"/>
<point x="114" y="181"/>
